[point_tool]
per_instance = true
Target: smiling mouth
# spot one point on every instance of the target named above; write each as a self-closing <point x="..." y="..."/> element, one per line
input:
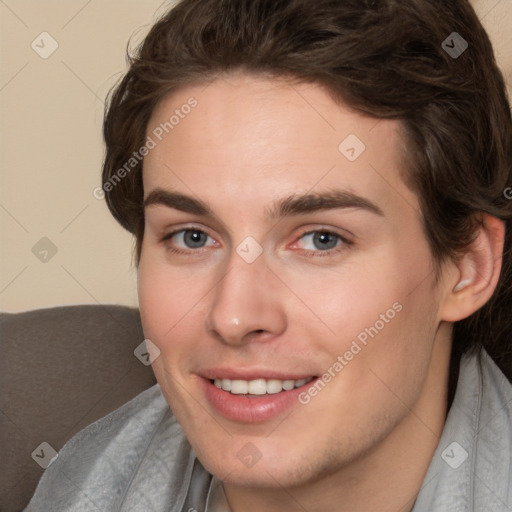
<point x="253" y="400"/>
<point x="258" y="387"/>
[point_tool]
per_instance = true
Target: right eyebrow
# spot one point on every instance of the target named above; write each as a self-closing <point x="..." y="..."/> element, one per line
<point x="178" y="202"/>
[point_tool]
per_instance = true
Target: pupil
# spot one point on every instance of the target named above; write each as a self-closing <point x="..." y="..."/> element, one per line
<point x="194" y="238"/>
<point x="324" y="240"/>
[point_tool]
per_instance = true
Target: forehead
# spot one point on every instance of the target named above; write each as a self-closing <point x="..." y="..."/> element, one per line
<point x="251" y="137"/>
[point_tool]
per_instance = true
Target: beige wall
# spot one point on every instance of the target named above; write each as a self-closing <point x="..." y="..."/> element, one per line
<point x="51" y="148"/>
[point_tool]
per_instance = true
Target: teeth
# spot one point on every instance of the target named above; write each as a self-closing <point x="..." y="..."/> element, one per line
<point x="274" y="386"/>
<point x="288" y="384"/>
<point x="239" y="387"/>
<point x="259" y="386"/>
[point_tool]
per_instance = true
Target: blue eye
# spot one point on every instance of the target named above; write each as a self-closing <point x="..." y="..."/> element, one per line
<point x="321" y="241"/>
<point x="188" y="238"/>
<point x="194" y="238"/>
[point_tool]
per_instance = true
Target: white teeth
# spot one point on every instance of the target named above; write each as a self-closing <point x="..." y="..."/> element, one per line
<point x="239" y="387"/>
<point x="274" y="386"/>
<point x="288" y="384"/>
<point x="259" y="386"/>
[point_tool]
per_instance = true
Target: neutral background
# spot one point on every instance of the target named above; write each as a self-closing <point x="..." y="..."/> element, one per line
<point x="51" y="149"/>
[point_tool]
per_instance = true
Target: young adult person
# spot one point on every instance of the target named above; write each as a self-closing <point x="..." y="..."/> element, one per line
<point x="318" y="195"/>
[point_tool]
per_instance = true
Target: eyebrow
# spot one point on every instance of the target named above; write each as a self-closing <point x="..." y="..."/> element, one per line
<point x="292" y="205"/>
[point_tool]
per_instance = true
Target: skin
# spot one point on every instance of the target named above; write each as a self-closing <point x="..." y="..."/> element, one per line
<point x="366" y="440"/>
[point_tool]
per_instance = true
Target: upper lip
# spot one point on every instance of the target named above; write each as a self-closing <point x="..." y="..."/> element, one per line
<point x="251" y="374"/>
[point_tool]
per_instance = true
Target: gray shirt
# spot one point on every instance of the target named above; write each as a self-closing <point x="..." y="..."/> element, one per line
<point x="138" y="459"/>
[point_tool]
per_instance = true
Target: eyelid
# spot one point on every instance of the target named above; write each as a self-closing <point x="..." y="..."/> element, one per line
<point x="165" y="235"/>
<point x="168" y="235"/>
<point x="313" y="227"/>
<point x="324" y="229"/>
<point x="344" y="246"/>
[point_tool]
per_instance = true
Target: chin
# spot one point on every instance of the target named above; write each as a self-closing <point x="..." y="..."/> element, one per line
<point x="269" y="468"/>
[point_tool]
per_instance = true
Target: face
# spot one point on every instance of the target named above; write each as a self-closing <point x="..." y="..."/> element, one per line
<point x="285" y="279"/>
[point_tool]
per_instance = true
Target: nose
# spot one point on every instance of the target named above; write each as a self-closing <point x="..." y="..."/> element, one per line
<point x="246" y="304"/>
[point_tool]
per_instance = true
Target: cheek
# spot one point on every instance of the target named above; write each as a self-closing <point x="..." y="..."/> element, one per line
<point x="166" y="297"/>
<point x="393" y="342"/>
<point x="339" y="304"/>
<point x="153" y="290"/>
<point x="172" y="309"/>
<point x="162" y="305"/>
<point x="378" y="314"/>
<point x="169" y="320"/>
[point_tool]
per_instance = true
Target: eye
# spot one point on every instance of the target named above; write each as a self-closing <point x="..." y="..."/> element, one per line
<point x="186" y="239"/>
<point x="322" y="241"/>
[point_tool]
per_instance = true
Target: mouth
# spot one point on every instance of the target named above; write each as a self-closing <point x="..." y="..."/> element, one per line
<point x="256" y="400"/>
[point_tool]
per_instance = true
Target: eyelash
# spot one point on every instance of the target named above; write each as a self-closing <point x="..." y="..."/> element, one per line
<point x="346" y="243"/>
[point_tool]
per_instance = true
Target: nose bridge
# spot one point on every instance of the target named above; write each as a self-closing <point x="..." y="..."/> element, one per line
<point x="245" y="300"/>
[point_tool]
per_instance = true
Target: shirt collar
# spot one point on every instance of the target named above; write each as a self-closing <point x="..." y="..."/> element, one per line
<point x="216" y="501"/>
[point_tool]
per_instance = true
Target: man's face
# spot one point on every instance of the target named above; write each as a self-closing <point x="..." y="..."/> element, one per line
<point x="255" y="285"/>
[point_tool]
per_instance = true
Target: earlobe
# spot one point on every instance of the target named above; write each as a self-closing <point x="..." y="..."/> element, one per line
<point x="478" y="271"/>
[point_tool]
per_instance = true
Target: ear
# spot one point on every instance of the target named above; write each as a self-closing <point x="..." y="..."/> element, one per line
<point x="476" y="274"/>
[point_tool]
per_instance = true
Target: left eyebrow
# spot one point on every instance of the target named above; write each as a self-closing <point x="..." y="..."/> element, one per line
<point x="308" y="203"/>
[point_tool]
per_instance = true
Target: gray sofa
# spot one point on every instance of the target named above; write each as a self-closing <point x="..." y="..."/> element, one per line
<point x="61" y="369"/>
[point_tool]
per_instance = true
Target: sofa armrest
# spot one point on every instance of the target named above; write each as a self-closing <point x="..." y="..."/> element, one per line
<point x="61" y="369"/>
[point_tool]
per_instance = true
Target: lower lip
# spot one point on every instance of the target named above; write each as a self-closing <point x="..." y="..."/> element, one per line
<point x="253" y="408"/>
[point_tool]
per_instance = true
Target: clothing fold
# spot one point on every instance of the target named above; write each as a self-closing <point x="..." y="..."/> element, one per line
<point x="137" y="458"/>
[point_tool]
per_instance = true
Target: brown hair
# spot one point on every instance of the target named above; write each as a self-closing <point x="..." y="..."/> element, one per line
<point x="385" y="58"/>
